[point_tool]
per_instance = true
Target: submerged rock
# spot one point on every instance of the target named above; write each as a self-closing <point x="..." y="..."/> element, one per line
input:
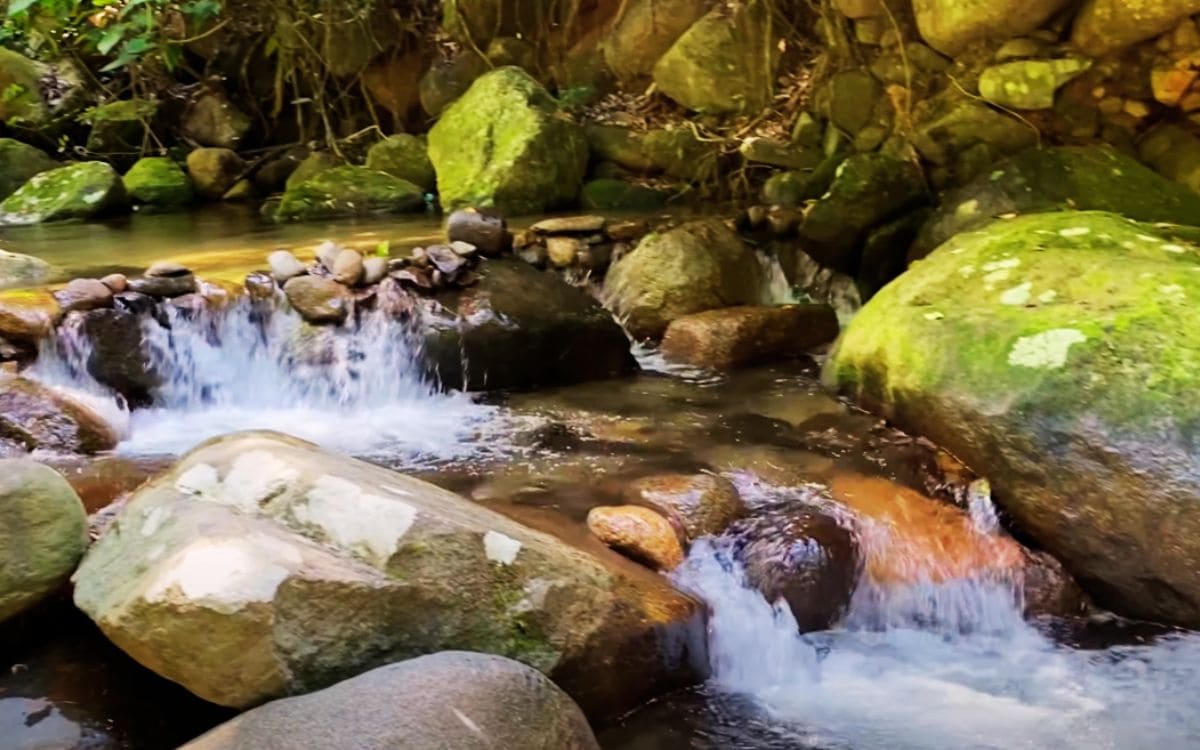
<point x="504" y="145"/>
<point x="22" y="270"/>
<point x="697" y="266"/>
<point x="1055" y="179"/>
<point x="640" y="533"/>
<point x="34" y="417"/>
<point x="700" y="504"/>
<point x="158" y="181"/>
<point x="1056" y="354"/>
<point x="233" y="574"/>
<point x="735" y="336"/>
<point x="563" y="335"/>
<point x="453" y="699"/>
<point x="18" y="163"/>
<point x="348" y="191"/>
<point x="43" y="535"/>
<point x="86" y="190"/>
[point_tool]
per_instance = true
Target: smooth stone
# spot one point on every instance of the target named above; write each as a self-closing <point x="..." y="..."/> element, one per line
<point x="84" y="294"/>
<point x="375" y="269"/>
<point x="318" y="300"/>
<point x="640" y="533"/>
<point x="485" y="231"/>
<point x="445" y="259"/>
<point x="116" y="282"/>
<point x="284" y="265"/>
<point x="465" y="249"/>
<point x="164" y="286"/>
<point x="327" y="253"/>
<point x="700" y="504"/>
<point x="570" y="225"/>
<point x="28" y="315"/>
<point x="563" y="251"/>
<point x="735" y="336"/>
<point x="348" y="267"/>
<point x="35" y="417"/>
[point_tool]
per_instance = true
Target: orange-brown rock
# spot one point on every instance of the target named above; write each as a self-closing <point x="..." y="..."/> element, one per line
<point x="27" y="315"/>
<point x="637" y="532"/>
<point x="33" y="417"/>
<point x="733" y="336"/>
<point x="700" y="504"/>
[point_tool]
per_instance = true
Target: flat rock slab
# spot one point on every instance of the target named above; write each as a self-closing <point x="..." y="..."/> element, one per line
<point x="734" y="336"/>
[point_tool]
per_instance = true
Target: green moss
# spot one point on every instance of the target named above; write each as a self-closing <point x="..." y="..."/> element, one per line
<point x="158" y="181"/>
<point x="619" y="195"/>
<point x="77" y="191"/>
<point x="504" y="144"/>
<point x="20" y="90"/>
<point x="19" y="162"/>
<point x="404" y="156"/>
<point x="120" y="127"/>
<point x="348" y="191"/>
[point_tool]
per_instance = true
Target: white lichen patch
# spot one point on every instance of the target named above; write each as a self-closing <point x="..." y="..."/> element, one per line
<point x="154" y="519"/>
<point x="93" y="197"/>
<point x="995" y="277"/>
<point x="1074" y="232"/>
<point x="354" y="520"/>
<point x="500" y="547"/>
<point x="1047" y="296"/>
<point x="225" y="574"/>
<point x="1174" y="292"/>
<point x="967" y="209"/>
<point x="1004" y="263"/>
<point x="935" y="315"/>
<point x="966" y="271"/>
<point x="1173" y="248"/>
<point x="255" y="478"/>
<point x="1018" y="295"/>
<point x="199" y="480"/>
<point x="1047" y="350"/>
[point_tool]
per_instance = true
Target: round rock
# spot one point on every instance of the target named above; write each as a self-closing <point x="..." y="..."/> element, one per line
<point x="701" y="504"/>
<point x="284" y="266"/>
<point x="318" y="300"/>
<point x="487" y="232"/>
<point x="348" y="267"/>
<point x="639" y="533"/>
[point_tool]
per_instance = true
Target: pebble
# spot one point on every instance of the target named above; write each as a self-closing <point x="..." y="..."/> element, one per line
<point x="562" y="251"/>
<point x="375" y="269"/>
<point x="348" y="267"/>
<point x="284" y="266"/>
<point x="485" y="231"/>
<point x="639" y="533"/>
<point x="327" y="253"/>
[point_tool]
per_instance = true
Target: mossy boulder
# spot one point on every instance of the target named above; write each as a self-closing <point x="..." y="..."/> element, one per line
<point x="563" y="334"/>
<point x="1174" y="152"/>
<point x="867" y="191"/>
<point x="18" y="162"/>
<point x="505" y="145"/>
<point x="449" y="78"/>
<point x="1089" y="178"/>
<point x="43" y="535"/>
<point x="701" y="265"/>
<point x="38" y="95"/>
<point x="349" y="191"/>
<point x="1058" y="355"/>
<point x="86" y="190"/>
<point x="1029" y="84"/>
<point x="795" y="187"/>
<point x="234" y="574"/>
<point x="609" y="194"/>
<point x="159" y="181"/>
<point x="724" y="63"/>
<point x="214" y="170"/>
<point x="212" y="120"/>
<point x="644" y="31"/>
<point x="121" y="127"/>
<point x="1106" y="26"/>
<point x="311" y="166"/>
<point x="950" y="126"/>
<point x="676" y="152"/>
<point x="405" y="156"/>
<point x="950" y="26"/>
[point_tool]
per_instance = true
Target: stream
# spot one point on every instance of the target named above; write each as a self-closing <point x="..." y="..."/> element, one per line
<point x="920" y="664"/>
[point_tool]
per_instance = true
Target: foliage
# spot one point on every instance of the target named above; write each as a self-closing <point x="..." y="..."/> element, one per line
<point x="119" y="32"/>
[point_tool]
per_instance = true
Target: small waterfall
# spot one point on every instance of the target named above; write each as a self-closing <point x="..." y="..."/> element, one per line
<point x="358" y="387"/>
<point x="930" y="666"/>
<point x="813" y="283"/>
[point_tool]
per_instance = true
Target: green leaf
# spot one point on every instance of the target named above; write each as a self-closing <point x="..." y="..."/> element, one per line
<point x="19" y="6"/>
<point x="172" y="56"/>
<point x="383" y="249"/>
<point x="112" y="36"/>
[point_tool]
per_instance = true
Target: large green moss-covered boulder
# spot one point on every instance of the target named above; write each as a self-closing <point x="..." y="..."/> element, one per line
<point x="86" y="190"/>
<point x="504" y="144"/>
<point x="701" y="265"/>
<point x="644" y="31"/>
<point x="43" y="535"/>
<point x="1059" y="355"/>
<point x="159" y="181"/>
<point x="724" y="63"/>
<point x="121" y="127"/>
<point x="1105" y="26"/>
<point x="18" y="162"/>
<point x="261" y="566"/>
<point x="1088" y="178"/>
<point x="950" y="26"/>
<point x="405" y="156"/>
<point x="349" y="191"/>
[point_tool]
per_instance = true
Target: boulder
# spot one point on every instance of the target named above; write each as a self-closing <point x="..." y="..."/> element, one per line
<point x="348" y="267"/>
<point x="37" y="93"/>
<point x="563" y="335"/>
<point x="404" y="156"/>
<point x="285" y="266"/>
<point x="233" y="574"/>
<point x="867" y="190"/>
<point x="1029" y="84"/>
<point x="607" y="194"/>
<point x="452" y="699"/>
<point x="699" y="504"/>
<point x="1174" y="152"/>
<point x="779" y="153"/>
<point x="952" y="126"/>
<point x="22" y="270"/>
<point x="83" y="294"/>
<point x="34" y="417"/>
<point x="723" y="63"/>
<point x="19" y="162"/>
<point x="950" y="26"/>
<point x="1106" y="26"/>
<point x="643" y="33"/>
<point x="318" y="300"/>
<point x="121" y="127"/>
<point x="701" y="265"/>
<point x="737" y="336"/>
<point x="158" y="181"/>
<point x="120" y="357"/>
<point x="485" y="230"/>
<point x="504" y="145"/>
<point x="853" y="96"/>
<point x="87" y="190"/>
<point x="803" y="557"/>
<point x="214" y="121"/>
<point x="309" y="167"/>
<point x="448" y="79"/>
<point x="348" y="191"/>
<point x="640" y="533"/>
<point x="1089" y="178"/>
<point x="214" y="170"/>
<point x="676" y="152"/>
<point x="1055" y="354"/>
<point x="794" y="188"/>
<point x="43" y="535"/>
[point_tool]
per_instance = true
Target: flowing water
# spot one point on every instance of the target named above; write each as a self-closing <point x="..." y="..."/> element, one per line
<point x="930" y="655"/>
